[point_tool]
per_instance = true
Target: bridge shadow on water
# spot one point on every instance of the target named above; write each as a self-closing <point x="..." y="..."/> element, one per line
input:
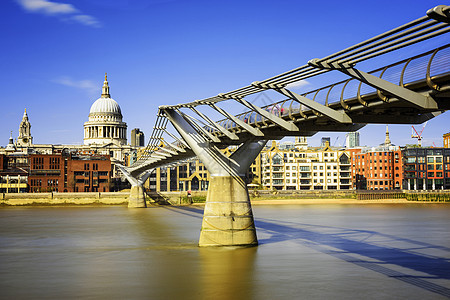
<point x="382" y="253"/>
<point x="368" y="249"/>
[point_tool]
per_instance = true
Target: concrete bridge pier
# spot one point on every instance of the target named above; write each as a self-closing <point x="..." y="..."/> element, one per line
<point x="137" y="192"/>
<point x="228" y="216"/>
<point x="137" y="197"/>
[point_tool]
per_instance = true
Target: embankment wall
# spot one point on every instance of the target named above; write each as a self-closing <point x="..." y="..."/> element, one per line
<point x="181" y="198"/>
<point x="106" y="198"/>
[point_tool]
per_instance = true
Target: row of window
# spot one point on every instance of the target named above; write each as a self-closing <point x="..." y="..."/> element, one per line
<point x="429" y="159"/>
<point x="428" y="174"/>
<point x="385" y="182"/>
<point x="37" y="163"/>
<point x="288" y="181"/>
<point x="427" y="167"/>
<point x="52" y="182"/>
<point x="54" y="163"/>
<point x="36" y="182"/>
<point x="94" y="174"/>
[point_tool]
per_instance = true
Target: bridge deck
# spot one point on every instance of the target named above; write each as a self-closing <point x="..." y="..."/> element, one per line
<point x="410" y="91"/>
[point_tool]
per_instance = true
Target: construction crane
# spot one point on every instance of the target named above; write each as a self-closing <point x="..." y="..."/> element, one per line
<point x="417" y="135"/>
<point x="335" y="141"/>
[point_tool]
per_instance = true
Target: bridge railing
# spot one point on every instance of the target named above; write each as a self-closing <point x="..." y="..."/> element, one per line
<point x="425" y="67"/>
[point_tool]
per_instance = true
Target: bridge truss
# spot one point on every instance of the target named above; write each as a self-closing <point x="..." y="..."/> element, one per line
<point x="410" y="91"/>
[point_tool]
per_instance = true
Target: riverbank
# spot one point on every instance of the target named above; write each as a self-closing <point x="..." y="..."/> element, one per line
<point x="336" y="201"/>
<point x="48" y="199"/>
<point x="199" y="198"/>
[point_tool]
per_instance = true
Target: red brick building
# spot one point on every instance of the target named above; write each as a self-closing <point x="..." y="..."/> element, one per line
<point x="69" y="172"/>
<point x="377" y="168"/>
<point x="46" y="173"/>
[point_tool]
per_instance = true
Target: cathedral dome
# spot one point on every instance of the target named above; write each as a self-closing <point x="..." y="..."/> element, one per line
<point x="105" y="124"/>
<point x="105" y="106"/>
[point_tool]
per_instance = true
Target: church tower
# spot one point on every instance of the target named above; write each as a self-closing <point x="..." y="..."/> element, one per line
<point x="25" y="139"/>
<point x="387" y="140"/>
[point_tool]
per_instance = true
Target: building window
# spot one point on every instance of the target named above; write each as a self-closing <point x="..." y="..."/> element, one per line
<point x="276" y="160"/>
<point x="413" y="159"/>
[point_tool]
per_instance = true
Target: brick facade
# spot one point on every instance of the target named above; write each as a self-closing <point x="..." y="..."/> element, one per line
<point x="377" y="169"/>
<point x="69" y="173"/>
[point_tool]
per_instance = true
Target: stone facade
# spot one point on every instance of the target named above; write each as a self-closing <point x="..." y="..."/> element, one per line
<point x="289" y="167"/>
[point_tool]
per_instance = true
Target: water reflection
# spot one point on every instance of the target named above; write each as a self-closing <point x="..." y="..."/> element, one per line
<point x="224" y="272"/>
<point x="227" y="272"/>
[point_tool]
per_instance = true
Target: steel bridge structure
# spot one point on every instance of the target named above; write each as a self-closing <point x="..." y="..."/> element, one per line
<point x="412" y="90"/>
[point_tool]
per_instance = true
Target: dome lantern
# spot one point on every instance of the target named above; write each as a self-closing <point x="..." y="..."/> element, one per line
<point x="105" y="88"/>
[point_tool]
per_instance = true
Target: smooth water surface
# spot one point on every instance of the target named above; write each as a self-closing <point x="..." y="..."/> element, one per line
<point x="305" y="252"/>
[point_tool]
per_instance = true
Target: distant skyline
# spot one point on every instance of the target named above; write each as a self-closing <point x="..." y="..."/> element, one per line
<point x="54" y="56"/>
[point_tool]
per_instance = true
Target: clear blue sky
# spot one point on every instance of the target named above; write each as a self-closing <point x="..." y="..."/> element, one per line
<point x="54" y="54"/>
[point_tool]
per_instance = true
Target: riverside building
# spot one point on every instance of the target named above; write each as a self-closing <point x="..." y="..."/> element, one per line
<point x="298" y="167"/>
<point x="192" y="175"/>
<point x="105" y="132"/>
<point x="69" y="172"/>
<point x="377" y="168"/>
<point x="426" y="168"/>
<point x="105" y="136"/>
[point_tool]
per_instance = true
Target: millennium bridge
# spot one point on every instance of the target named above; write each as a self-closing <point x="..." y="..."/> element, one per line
<point x="414" y="89"/>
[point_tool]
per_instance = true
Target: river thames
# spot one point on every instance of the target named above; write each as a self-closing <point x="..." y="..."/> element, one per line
<point x="375" y="251"/>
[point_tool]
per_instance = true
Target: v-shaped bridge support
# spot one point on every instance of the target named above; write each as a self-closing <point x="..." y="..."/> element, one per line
<point x="228" y="217"/>
<point x="137" y="195"/>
